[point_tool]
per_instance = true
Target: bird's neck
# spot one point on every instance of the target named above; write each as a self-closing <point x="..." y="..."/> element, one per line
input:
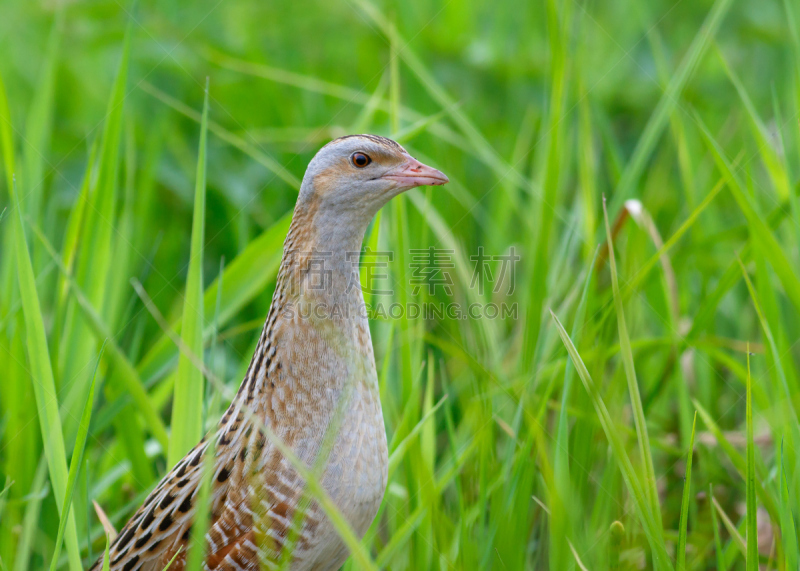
<point x="317" y="307"/>
<point x="320" y="258"/>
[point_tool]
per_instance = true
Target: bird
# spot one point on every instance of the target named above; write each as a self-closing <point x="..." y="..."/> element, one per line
<point x="312" y="381"/>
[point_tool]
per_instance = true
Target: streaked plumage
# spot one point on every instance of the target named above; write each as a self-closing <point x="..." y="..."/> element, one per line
<point x="313" y="371"/>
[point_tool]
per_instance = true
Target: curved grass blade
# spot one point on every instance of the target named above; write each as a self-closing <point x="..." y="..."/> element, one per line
<point x="578" y="561"/>
<point x="752" y="523"/>
<point x="736" y="537"/>
<point x="633" y="384"/>
<point x="770" y="247"/>
<point x="769" y="156"/>
<point x="737" y="460"/>
<point x="792" y="419"/>
<point x="788" y="528"/>
<point x="31" y="518"/>
<point x="560" y="520"/>
<point x="43" y="383"/>
<point x="636" y="281"/>
<point x="718" y="550"/>
<point x="108" y="527"/>
<point x="174" y="557"/>
<point x="399" y="450"/>
<point x="187" y="402"/>
<point x="77" y="458"/>
<point x="687" y="491"/>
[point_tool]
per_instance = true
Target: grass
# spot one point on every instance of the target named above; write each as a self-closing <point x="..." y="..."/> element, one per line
<point x="150" y="220"/>
<point x="187" y="402"/>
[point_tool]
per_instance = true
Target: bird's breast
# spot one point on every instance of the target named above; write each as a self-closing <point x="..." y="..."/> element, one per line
<point x="326" y="406"/>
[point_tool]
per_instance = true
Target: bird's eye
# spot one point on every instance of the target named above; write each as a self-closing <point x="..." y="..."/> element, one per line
<point x="360" y="160"/>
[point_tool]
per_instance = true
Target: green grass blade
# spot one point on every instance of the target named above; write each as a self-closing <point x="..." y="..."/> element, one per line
<point x="769" y="156"/>
<point x="617" y="533"/>
<point x="97" y="244"/>
<point x="43" y="383"/>
<point x="788" y="529"/>
<point x="400" y="237"/>
<point x="541" y="240"/>
<point x="770" y="247"/>
<point x="687" y="494"/>
<point x="106" y="559"/>
<point x="752" y="523"/>
<point x="561" y="521"/>
<point x="736" y="458"/>
<point x="398" y="451"/>
<point x="792" y="417"/>
<point x="736" y="537"/>
<point x="587" y="171"/>
<point x="636" y="281"/>
<point x="393" y="548"/>
<point x="7" y="262"/>
<point x="6" y="138"/>
<point x="718" y="551"/>
<point x="174" y="557"/>
<point x="122" y="261"/>
<point x="74" y="230"/>
<point x="104" y="199"/>
<point x="633" y="384"/>
<point x="77" y="459"/>
<point x="38" y="126"/>
<point x="187" y="404"/>
<point x="367" y="113"/>
<point x="31" y="517"/>
<point x="394" y="81"/>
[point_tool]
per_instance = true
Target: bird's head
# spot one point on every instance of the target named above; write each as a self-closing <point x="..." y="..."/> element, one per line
<point x="353" y="177"/>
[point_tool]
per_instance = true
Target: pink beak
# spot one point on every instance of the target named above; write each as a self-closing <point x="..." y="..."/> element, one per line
<point x="413" y="173"/>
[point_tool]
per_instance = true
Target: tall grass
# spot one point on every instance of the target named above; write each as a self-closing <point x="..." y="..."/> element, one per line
<point x="513" y="443"/>
<point x="187" y="401"/>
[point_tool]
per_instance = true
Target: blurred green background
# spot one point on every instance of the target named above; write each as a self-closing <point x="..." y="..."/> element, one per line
<point x="507" y="454"/>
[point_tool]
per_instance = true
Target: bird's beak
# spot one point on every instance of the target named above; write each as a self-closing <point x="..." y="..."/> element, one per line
<point x="413" y="173"/>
